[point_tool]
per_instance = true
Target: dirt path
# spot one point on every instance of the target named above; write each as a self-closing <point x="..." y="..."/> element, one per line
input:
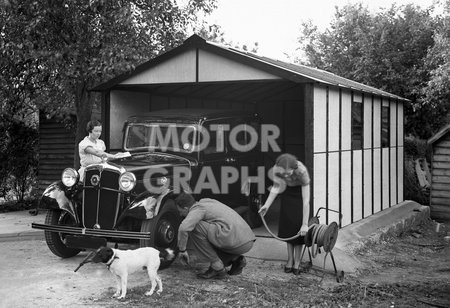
<point x="410" y="271"/>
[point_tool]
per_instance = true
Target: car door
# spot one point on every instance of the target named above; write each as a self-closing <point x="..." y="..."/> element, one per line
<point x="216" y="176"/>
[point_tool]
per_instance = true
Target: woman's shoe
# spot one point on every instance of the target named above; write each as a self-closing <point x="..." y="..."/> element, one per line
<point x="287" y="269"/>
<point x="297" y="270"/>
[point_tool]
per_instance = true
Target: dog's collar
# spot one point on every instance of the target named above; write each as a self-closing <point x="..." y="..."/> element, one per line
<point x="110" y="261"/>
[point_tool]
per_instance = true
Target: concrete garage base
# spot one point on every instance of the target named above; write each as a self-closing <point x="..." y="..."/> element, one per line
<point x="373" y="229"/>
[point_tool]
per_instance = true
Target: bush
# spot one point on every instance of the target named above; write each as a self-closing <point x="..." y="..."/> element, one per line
<point x="415" y="149"/>
<point x="18" y="160"/>
<point x="12" y="206"/>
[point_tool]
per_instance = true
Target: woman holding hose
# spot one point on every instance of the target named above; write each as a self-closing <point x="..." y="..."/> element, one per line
<point x="291" y="181"/>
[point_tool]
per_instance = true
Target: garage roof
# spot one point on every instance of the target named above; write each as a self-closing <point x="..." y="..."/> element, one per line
<point x="441" y="133"/>
<point x="198" y="60"/>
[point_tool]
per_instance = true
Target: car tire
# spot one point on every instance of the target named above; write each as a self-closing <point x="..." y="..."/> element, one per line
<point x="165" y="228"/>
<point x="55" y="240"/>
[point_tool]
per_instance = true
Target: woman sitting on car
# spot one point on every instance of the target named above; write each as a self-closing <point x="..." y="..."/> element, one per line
<point x="92" y="149"/>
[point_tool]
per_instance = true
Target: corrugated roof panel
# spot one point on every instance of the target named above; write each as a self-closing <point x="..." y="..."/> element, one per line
<point x="318" y="74"/>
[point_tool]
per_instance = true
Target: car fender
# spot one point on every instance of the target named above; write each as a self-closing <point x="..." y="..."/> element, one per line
<point x="147" y="205"/>
<point x="54" y="197"/>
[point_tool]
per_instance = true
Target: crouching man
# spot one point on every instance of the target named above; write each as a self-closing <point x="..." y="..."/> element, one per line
<point x="216" y="233"/>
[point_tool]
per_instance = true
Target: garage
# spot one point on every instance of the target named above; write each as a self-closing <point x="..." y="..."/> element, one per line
<point x="349" y="135"/>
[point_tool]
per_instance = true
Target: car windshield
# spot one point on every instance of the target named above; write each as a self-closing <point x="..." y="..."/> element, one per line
<point x="160" y="137"/>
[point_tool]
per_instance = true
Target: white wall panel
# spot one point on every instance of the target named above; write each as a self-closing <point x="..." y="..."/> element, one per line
<point x="180" y="68"/>
<point x="357" y="185"/>
<point x="400" y="116"/>
<point x="333" y="119"/>
<point x="400" y="149"/>
<point x="367" y="185"/>
<point x="377" y="180"/>
<point x="357" y="97"/>
<point x="394" y="177"/>
<point x="393" y="123"/>
<point x="346" y="188"/>
<point x="333" y="187"/>
<point x="123" y="105"/>
<point x="385" y="180"/>
<point x="346" y="120"/>
<point x="320" y="181"/>
<point x="376" y="122"/>
<point x="320" y="118"/>
<point x="214" y="67"/>
<point x="400" y="174"/>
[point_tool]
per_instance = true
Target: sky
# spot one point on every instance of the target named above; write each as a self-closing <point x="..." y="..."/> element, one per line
<point x="275" y="24"/>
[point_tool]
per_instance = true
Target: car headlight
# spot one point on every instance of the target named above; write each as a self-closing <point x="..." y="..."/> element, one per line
<point x="162" y="181"/>
<point x="127" y="181"/>
<point x="69" y="177"/>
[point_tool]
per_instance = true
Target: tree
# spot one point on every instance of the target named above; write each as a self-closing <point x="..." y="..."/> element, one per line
<point x="437" y="89"/>
<point x="214" y="33"/>
<point x="54" y="51"/>
<point x="385" y="50"/>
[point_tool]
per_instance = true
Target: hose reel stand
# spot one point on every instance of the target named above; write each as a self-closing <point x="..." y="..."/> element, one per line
<point x="318" y="237"/>
<point x="322" y="236"/>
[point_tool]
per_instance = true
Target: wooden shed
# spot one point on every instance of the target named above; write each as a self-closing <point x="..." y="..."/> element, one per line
<point x="56" y="146"/>
<point x="56" y="150"/>
<point x="440" y="174"/>
<point x="349" y="135"/>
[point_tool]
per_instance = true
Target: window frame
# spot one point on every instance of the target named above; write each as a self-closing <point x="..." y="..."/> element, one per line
<point x="385" y="126"/>
<point x="357" y="144"/>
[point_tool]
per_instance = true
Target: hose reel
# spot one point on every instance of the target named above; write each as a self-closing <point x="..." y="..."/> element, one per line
<point x="319" y="236"/>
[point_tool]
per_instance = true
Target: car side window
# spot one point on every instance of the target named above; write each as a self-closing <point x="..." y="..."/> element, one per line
<point x="217" y="133"/>
<point x="244" y="136"/>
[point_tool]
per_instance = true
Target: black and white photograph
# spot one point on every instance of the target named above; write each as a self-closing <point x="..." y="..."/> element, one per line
<point x="225" y="153"/>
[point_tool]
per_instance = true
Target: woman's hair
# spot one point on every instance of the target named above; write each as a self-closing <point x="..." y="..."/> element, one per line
<point x="91" y="124"/>
<point x="287" y="161"/>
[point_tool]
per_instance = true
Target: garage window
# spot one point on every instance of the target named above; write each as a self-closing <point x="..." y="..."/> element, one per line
<point x="217" y="138"/>
<point x="385" y="127"/>
<point x="357" y="125"/>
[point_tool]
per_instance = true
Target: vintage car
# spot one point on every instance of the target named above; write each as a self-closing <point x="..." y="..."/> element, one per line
<point x="209" y="153"/>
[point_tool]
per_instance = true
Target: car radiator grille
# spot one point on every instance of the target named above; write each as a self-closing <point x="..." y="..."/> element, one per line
<point x="101" y="201"/>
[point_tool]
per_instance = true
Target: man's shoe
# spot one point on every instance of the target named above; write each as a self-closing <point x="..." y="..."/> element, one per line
<point x="237" y="266"/>
<point x="212" y="273"/>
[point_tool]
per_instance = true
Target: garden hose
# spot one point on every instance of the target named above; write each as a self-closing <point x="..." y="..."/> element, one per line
<point x="273" y="235"/>
<point x="318" y="235"/>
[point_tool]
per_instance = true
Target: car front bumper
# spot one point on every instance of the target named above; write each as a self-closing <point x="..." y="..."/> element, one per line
<point x="93" y="232"/>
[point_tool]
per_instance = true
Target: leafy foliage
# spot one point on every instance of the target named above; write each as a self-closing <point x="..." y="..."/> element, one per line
<point x="437" y="90"/>
<point x="18" y="159"/>
<point x="53" y="52"/>
<point x="388" y="50"/>
<point x="214" y="33"/>
<point x="415" y="149"/>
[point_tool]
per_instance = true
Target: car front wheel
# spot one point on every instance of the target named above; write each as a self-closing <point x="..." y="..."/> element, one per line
<point x="163" y="230"/>
<point x="55" y="240"/>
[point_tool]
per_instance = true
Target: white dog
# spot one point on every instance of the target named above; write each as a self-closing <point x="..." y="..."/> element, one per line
<point x="124" y="262"/>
